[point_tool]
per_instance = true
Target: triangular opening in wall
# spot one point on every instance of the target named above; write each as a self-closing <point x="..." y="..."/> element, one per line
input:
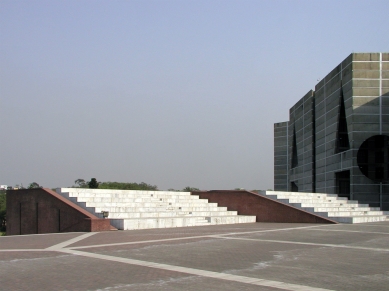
<point x="294" y="187"/>
<point x="294" y="150"/>
<point x="342" y="141"/>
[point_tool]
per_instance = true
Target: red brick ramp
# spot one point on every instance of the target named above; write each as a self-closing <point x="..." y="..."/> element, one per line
<point x="265" y="209"/>
<point x="41" y="210"/>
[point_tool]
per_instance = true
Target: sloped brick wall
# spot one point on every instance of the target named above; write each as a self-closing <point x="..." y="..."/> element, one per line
<point x="34" y="211"/>
<point x="265" y="209"/>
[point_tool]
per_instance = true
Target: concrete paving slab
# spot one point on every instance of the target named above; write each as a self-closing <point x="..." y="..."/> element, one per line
<point x="36" y="241"/>
<point x="366" y="227"/>
<point x="27" y="256"/>
<point x="70" y="272"/>
<point x="217" y="255"/>
<point x="157" y="234"/>
<point x="324" y="236"/>
<point x="228" y="257"/>
<point x="324" y="267"/>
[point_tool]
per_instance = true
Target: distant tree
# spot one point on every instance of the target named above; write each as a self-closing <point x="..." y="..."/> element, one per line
<point x="93" y="184"/>
<point x="81" y="183"/>
<point x="127" y="186"/>
<point x="33" y="185"/>
<point x="190" y="189"/>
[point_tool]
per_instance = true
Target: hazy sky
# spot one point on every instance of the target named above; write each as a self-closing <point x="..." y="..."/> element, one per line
<point x="171" y="93"/>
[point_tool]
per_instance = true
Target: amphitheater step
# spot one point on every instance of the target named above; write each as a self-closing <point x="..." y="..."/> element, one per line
<point x="330" y="206"/>
<point x="170" y="214"/>
<point x="129" y="209"/>
<point x="166" y="222"/>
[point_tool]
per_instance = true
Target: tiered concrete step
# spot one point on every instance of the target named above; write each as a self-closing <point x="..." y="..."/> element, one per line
<point x="331" y="206"/>
<point x="131" y="209"/>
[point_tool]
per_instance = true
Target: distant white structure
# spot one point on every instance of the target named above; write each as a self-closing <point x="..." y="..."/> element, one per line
<point x="3" y="187"/>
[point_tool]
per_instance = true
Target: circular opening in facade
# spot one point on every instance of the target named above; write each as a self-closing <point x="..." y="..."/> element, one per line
<point x="373" y="158"/>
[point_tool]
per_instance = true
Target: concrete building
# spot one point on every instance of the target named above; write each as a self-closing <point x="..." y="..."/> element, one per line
<point x="337" y="138"/>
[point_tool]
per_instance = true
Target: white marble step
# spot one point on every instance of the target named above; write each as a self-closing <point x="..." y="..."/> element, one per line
<point x="146" y="204"/>
<point x="340" y="208"/>
<point x="138" y="200"/>
<point x="121" y="193"/>
<point x="141" y="203"/>
<point x="317" y="196"/>
<point x="309" y="199"/>
<point x="145" y="207"/>
<point x="170" y="214"/>
<point x="327" y="204"/>
<point x="152" y="209"/>
<point x="314" y="196"/>
<point x="312" y="200"/>
<point x="159" y="209"/>
<point x="351" y="213"/>
<point x="132" y="196"/>
<point x="361" y="219"/>
<point x="330" y="206"/>
<point x="168" y="222"/>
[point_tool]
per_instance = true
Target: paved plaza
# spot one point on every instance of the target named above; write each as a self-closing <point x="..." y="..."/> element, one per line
<point x="254" y="256"/>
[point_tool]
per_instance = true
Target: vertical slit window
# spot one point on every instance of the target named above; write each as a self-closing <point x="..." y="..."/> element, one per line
<point x="342" y="141"/>
<point x="294" y="150"/>
<point x="294" y="187"/>
<point x="343" y="183"/>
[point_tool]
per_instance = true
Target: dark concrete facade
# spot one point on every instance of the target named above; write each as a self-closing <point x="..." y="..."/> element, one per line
<point x="35" y="211"/>
<point x="281" y="161"/>
<point x="337" y="136"/>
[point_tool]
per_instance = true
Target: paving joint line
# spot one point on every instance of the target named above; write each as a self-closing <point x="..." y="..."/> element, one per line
<point x="279" y="229"/>
<point x="307" y="243"/>
<point x="220" y="236"/>
<point x="143" y="242"/>
<point x="25" y="250"/>
<point x="198" y="272"/>
<point x="41" y="234"/>
<point x="70" y="241"/>
<point x="190" y="237"/>
<point x="359" y="231"/>
<point x="61" y="247"/>
<point x="364" y="224"/>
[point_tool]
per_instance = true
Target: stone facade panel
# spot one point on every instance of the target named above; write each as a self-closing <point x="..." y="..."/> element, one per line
<point x="330" y="133"/>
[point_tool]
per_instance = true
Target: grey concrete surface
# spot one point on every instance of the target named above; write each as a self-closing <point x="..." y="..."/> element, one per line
<point x="327" y="143"/>
<point x="256" y="256"/>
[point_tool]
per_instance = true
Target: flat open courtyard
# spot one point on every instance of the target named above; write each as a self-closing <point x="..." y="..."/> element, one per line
<point x="256" y="256"/>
